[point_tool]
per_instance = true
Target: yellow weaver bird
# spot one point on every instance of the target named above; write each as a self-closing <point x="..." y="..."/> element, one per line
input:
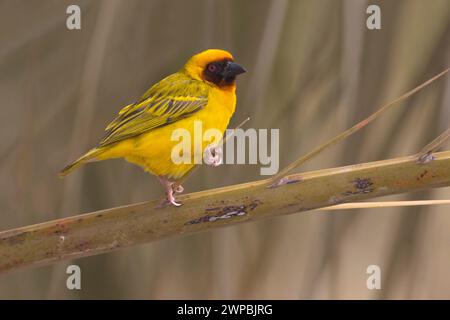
<point x="203" y="90"/>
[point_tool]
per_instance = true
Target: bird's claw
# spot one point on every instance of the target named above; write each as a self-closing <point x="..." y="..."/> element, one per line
<point x="170" y="194"/>
<point x="213" y="155"/>
<point x="169" y="200"/>
<point x="171" y="189"/>
<point x="178" y="189"/>
<point x="173" y="202"/>
<point x="166" y="202"/>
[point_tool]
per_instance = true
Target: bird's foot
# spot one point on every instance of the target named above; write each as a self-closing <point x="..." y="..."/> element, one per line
<point x="171" y="199"/>
<point x="171" y="189"/>
<point x="178" y="188"/>
<point x="213" y="155"/>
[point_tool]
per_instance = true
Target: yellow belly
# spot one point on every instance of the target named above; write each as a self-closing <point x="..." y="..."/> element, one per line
<point x="153" y="150"/>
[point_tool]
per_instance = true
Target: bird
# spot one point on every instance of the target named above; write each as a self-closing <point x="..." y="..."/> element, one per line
<point x="204" y="89"/>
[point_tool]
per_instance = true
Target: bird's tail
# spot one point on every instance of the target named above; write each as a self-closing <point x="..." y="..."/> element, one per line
<point x="88" y="157"/>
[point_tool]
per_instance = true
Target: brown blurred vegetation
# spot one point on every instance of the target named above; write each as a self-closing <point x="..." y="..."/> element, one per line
<point x="314" y="69"/>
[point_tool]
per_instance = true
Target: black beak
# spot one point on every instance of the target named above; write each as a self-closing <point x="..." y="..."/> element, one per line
<point x="232" y="70"/>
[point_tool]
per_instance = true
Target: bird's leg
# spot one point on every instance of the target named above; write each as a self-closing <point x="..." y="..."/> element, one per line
<point x="170" y="191"/>
<point x="213" y="155"/>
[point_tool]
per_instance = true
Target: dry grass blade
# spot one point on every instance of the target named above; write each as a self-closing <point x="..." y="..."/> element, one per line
<point x="278" y="178"/>
<point x="385" y="204"/>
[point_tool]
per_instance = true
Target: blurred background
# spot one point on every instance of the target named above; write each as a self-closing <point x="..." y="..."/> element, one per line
<point x="314" y="69"/>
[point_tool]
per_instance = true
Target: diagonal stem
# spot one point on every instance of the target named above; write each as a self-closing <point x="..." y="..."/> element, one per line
<point x="278" y="178"/>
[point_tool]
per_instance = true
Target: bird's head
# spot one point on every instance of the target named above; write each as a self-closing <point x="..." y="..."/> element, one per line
<point x="214" y="66"/>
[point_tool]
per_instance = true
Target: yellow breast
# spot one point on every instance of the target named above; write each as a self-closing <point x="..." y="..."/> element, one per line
<point x="152" y="150"/>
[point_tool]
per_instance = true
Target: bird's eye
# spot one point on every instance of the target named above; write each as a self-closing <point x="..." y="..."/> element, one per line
<point x="212" y="68"/>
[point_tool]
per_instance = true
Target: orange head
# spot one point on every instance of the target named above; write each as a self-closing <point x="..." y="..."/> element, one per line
<point x="214" y="66"/>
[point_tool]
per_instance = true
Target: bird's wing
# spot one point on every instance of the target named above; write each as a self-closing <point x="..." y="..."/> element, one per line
<point x="170" y="100"/>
